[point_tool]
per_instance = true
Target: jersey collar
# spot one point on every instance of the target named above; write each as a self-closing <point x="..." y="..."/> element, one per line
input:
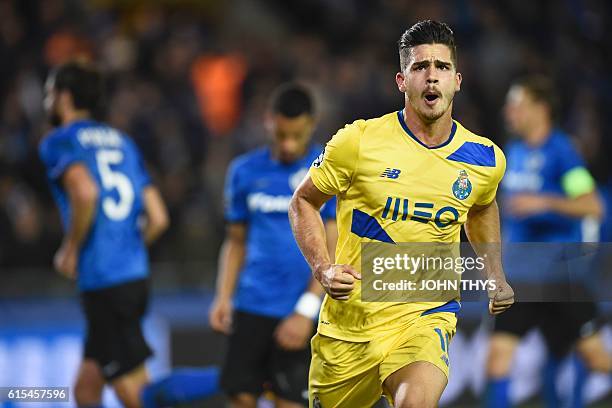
<point x="400" y="118"/>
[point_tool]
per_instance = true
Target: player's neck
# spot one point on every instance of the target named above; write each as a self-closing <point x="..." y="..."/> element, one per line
<point x="277" y="156"/>
<point x="538" y="133"/>
<point x="72" y="116"/>
<point x="432" y="133"/>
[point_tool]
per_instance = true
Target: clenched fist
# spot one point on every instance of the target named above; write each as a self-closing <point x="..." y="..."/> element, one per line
<point x="501" y="298"/>
<point x="337" y="280"/>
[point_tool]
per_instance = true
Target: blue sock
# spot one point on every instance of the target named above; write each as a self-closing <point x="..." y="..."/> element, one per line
<point x="581" y="374"/>
<point x="181" y="386"/>
<point x="497" y="394"/>
<point x="549" y="386"/>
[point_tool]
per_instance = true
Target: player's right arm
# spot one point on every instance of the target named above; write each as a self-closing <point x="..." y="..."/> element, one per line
<point x="65" y="165"/>
<point x="482" y="228"/>
<point x="309" y="231"/>
<point x="233" y="250"/>
<point x="231" y="258"/>
<point x="581" y="198"/>
<point x="83" y="195"/>
<point x="331" y="174"/>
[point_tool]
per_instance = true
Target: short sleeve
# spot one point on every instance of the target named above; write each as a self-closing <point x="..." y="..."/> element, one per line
<point x="328" y="212"/>
<point x="235" y="195"/>
<point x="489" y="193"/>
<point x="332" y="172"/>
<point x="58" y="152"/>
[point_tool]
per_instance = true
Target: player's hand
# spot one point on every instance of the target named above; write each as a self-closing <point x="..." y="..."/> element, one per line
<point x="66" y="259"/>
<point x="220" y="316"/>
<point x="294" y="332"/>
<point x="501" y="298"/>
<point x="523" y="205"/>
<point x="338" y="280"/>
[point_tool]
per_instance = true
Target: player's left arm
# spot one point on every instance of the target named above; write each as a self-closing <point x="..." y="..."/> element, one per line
<point x="83" y="195"/>
<point x="483" y="231"/>
<point x="157" y="220"/>
<point x="581" y="198"/>
<point x="482" y="228"/>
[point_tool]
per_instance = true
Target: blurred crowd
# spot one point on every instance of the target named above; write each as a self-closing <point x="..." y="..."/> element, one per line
<point x="189" y="81"/>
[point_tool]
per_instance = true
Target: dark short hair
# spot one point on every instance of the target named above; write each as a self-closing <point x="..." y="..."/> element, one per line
<point x="291" y="100"/>
<point x="83" y="82"/>
<point x="542" y="89"/>
<point x="426" y="32"/>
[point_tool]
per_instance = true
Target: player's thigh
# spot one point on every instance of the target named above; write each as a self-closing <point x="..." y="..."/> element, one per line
<point x="129" y="346"/>
<point x="129" y="386"/>
<point x="289" y="375"/>
<point x="418" y="385"/>
<point x="343" y="374"/>
<point x="89" y="383"/>
<point x="114" y="332"/>
<point x="245" y="368"/>
<point x="427" y="341"/>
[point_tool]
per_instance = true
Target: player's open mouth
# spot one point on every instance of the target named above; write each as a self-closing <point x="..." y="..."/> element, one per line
<point x="431" y="98"/>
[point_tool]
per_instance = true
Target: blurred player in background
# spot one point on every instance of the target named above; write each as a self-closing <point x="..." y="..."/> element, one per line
<point x="102" y="189"/>
<point x="547" y="192"/>
<point x="449" y="177"/>
<point x="266" y="299"/>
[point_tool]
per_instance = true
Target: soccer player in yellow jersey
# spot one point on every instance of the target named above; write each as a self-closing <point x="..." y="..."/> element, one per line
<point x="415" y="175"/>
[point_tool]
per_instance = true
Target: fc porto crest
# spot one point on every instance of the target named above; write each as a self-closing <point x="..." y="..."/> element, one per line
<point x="462" y="187"/>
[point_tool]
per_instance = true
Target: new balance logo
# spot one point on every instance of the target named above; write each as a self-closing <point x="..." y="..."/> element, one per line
<point x="391" y="173"/>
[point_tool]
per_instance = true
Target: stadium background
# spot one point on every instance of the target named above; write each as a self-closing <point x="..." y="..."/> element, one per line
<point x="188" y="80"/>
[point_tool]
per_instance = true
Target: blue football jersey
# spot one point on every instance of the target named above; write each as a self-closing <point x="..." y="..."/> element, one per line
<point x="114" y="251"/>
<point x="539" y="170"/>
<point x="257" y="192"/>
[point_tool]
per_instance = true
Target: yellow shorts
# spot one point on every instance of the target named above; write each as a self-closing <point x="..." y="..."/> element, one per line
<point x="348" y="374"/>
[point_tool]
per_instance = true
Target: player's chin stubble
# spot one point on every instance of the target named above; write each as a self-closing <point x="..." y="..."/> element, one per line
<point x="430" y="115"/>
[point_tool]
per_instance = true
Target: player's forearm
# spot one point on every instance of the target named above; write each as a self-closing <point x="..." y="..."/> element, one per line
<point x="331" y="234"/>
<point x="309" y="233"/>
<point x="152" y="232"/>
<point x="158" y="220"/>
<point x="483" y="231"/>
<point x="231" y="258"/>
<point x="587" y="205"/>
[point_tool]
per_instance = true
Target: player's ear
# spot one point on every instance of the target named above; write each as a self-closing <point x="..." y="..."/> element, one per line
<point x="458" y="79"/>
<point x="269" y="121"/>
<point x="400" y="79"/>
<point x="64" y="101"/>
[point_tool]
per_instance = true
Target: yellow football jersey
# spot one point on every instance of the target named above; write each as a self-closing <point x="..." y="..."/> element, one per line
<point x="390" y="187"/>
